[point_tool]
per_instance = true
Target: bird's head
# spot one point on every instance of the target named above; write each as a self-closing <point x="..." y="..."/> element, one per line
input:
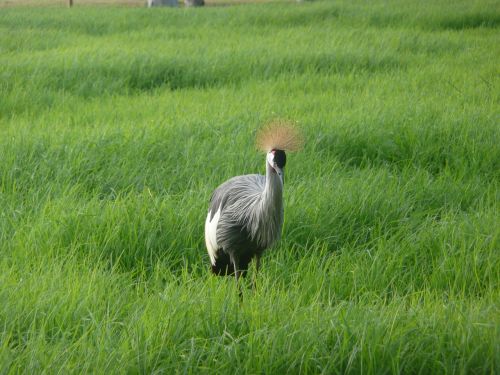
<point x="277" y="161"/>
<point x="276" y="137"/>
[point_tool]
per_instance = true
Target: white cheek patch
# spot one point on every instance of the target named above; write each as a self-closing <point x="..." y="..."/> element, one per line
<point x="270" y="158"/>
<point x="211" y="235"/>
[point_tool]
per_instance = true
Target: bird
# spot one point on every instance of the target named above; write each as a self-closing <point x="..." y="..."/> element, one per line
<point x="245" y="214"/>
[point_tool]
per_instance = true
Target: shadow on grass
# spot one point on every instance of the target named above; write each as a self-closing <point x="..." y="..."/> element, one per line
<point x="88" y="78"/>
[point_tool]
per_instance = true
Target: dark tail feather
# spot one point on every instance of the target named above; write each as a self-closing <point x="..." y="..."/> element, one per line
<point x="223" y="265"/>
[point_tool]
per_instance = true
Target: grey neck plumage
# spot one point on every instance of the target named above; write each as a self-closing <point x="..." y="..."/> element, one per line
<point x="268" y="213"/>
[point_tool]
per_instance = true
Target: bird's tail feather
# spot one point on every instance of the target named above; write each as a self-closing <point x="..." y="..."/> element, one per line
<point x="223" y="265"/>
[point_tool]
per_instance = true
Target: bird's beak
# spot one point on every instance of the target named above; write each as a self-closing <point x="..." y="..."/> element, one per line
<point x="281" y="174"/>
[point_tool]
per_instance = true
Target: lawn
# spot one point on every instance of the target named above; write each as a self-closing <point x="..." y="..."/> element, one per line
<point x="117" y="123"/>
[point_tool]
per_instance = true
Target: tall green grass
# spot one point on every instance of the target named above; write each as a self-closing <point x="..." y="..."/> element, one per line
<point x="117" y="124"/>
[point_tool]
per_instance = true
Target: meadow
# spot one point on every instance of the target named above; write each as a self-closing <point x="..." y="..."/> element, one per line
<point x="116" y="124"/>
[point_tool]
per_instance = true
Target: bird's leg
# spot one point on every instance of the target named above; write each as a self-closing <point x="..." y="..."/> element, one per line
<point x="257" y="266"/>
<point x="237" y="274"/>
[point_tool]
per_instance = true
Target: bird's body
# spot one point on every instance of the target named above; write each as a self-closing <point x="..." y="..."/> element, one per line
<point x="245" y="216"/>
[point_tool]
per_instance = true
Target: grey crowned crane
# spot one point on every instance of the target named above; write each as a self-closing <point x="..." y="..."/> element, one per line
<point x="245" y="215"/>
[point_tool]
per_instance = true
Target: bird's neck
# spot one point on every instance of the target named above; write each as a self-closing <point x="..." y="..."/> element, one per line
<point x="272" y="202"/>
<point x="268" y="214"/>
<point x="273" y="192"/>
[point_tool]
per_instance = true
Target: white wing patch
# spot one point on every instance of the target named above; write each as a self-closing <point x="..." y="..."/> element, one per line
<point x="211" y="235"/>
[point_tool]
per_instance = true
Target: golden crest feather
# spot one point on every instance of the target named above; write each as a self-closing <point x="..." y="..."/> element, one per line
<point x="279" y="135"/>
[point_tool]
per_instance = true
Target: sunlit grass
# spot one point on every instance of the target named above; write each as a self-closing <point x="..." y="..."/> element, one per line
<point x="116" y="124"/>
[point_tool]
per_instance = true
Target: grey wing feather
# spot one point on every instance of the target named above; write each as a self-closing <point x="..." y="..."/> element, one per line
<point x="234" y="190"/>
<point x="237" y="199"/>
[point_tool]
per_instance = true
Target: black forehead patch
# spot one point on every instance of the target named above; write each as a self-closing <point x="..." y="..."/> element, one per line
<point x="280" y="158"/>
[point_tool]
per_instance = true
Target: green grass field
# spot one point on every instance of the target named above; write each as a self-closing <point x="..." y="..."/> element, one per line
<point x="117" y="123"/>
